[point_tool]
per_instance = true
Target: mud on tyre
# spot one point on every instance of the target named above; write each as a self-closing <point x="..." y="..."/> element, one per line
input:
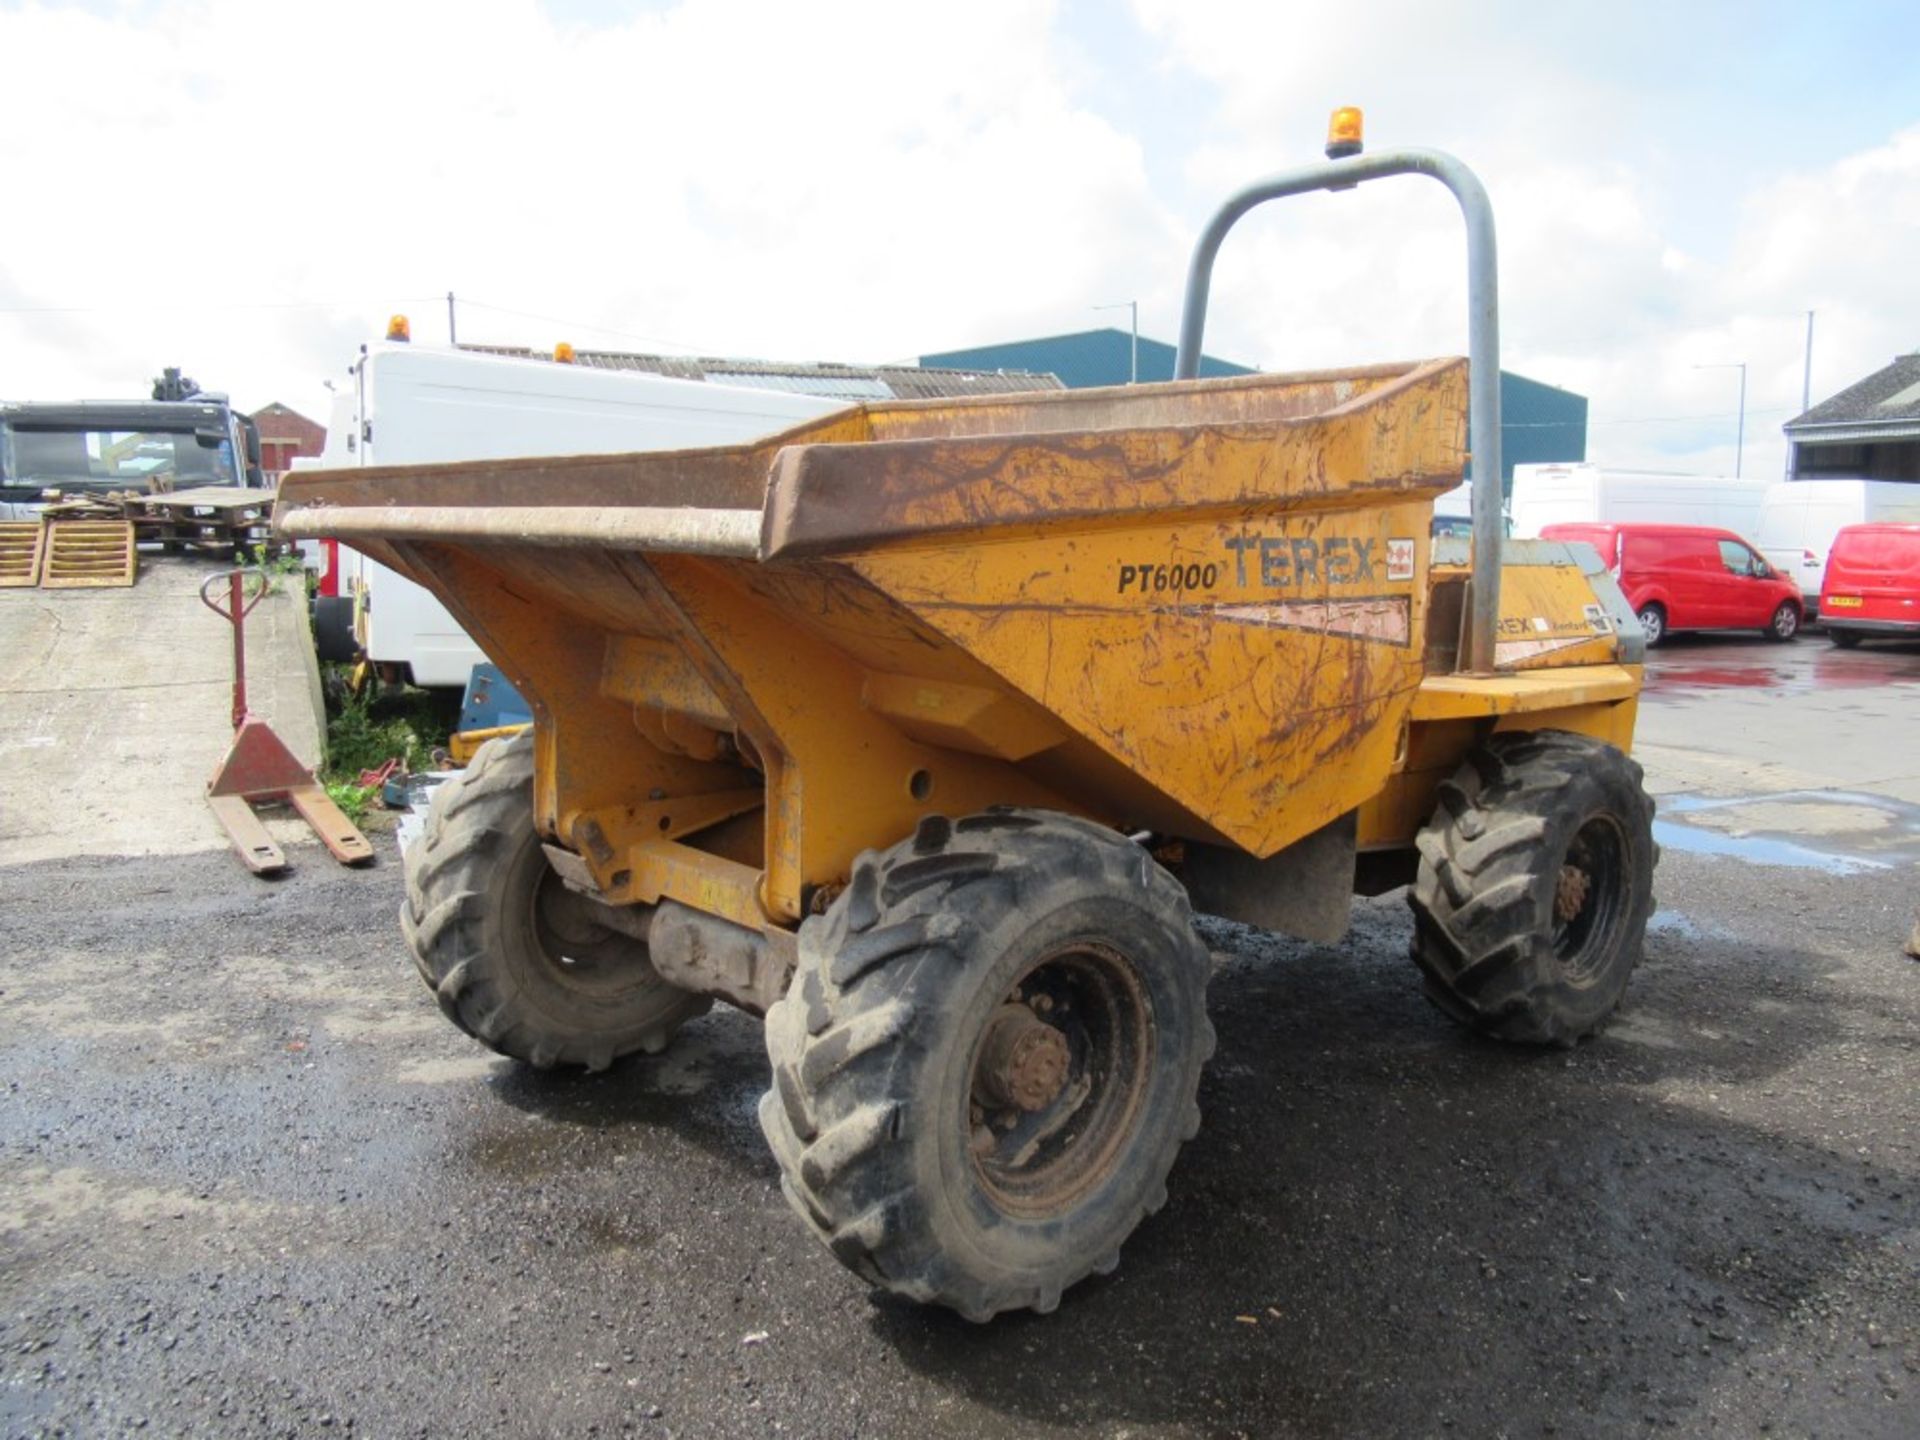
<point x="988" y="1059"/>
<point x="516" y="959"/>
<point x="1534" y="887"/>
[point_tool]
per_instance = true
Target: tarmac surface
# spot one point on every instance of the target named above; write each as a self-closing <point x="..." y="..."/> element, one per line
<point x="251" y="1183"/>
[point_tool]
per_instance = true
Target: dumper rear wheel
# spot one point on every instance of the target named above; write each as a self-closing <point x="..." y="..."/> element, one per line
<point x="516" y="959"/>
<point x="988" y="1059"/>
<point x="1535" y="883"/>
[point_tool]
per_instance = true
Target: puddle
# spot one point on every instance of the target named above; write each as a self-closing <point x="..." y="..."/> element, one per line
<point x="1861" y="833"/>
<point x="1716" y="677"/>
<point x="1790" y="670"/>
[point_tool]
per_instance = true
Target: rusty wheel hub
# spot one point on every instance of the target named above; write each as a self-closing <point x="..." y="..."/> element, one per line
<point x="1570" y="894"/>
<point x="1023" y="1062"/>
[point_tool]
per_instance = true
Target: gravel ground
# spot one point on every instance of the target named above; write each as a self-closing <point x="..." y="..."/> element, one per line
<point x="251" y="1183"/>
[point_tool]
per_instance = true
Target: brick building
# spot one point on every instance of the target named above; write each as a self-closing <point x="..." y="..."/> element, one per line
<point x="285" y="433"/>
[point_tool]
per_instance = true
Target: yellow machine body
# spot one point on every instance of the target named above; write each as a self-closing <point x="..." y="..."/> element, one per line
<point x="1210" y="610"/>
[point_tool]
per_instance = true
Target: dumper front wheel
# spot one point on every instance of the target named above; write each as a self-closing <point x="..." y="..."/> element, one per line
<point x="1535" y="882"/>
<point x="516" y="959"/>
<point x="988" y="1059"/>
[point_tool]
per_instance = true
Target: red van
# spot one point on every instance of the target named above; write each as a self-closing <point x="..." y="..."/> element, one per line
<point x="1692" y="577"/>
<point x="1872" y="584"/>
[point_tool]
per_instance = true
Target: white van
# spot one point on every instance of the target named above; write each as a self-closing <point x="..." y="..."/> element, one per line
<point x="409" y="405"/>
<point x="1799" y="518"/>
<point x="1587" y="494"/>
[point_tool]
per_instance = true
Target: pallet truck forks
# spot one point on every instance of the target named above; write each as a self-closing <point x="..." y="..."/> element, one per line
<point x="259" y="768"/>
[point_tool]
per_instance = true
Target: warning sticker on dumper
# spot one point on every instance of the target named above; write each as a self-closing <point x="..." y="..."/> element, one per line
<point x="1399" y="559"/>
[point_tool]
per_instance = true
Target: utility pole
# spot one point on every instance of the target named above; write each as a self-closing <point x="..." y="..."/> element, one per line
<point x="1132" y="307"/>
<point x="1806" y="370"/>
<point x="452" y="337"/>
<point x="1740" y="435"/>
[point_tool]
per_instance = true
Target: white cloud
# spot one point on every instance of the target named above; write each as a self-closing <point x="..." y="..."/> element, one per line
<point x="867" y="180"/>
<point x="1593" y="182"/>
<point x="743" y="176"/>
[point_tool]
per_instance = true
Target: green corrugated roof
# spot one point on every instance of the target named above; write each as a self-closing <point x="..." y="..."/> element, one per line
<point x="1083" y="360"/>
<point x="1538" y="423"/>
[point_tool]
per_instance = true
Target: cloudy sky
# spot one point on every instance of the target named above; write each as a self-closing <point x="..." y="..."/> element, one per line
<point x="248" y="188"/>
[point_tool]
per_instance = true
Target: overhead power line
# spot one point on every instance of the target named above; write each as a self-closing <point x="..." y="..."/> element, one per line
<point x="1641" y="420"/>
<point x="203" y="305"/>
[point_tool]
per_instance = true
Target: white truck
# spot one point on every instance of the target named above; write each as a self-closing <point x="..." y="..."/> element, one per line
<point x="409" y="404"/>
<point x="1799" y="518"/>
<point x="1589" y="494"/>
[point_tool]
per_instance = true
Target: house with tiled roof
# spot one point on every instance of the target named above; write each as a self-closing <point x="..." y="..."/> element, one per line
<point x="285" y="434"/>
<point x="1869" y="431"/>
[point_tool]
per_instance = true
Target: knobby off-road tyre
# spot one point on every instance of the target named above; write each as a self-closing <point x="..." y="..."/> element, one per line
<point x="989" y="1058"/>
<point x="515" y="958"/>
<point x="1535" y="883"/>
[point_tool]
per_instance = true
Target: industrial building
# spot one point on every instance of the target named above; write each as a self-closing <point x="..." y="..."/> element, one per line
<point x="1539" y="423"/>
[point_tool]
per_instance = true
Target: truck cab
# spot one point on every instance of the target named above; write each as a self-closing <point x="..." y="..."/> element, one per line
<point x="94" y="447"/>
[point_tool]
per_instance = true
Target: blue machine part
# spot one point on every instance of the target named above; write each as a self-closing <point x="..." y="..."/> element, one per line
<point x="491" y="702"/>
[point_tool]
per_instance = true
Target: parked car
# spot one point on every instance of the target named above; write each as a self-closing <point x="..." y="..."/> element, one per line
<point x="1872" y="584"/>
<point x="1692" y="577"/>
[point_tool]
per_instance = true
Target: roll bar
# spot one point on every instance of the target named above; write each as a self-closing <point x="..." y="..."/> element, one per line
<point x="1483" y="339"/>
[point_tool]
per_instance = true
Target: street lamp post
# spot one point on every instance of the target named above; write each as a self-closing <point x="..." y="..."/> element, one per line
<point x="1132" y="307"/>
<point x="1740" y="435"/>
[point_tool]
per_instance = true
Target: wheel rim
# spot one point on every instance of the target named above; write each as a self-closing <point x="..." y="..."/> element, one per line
<point x="575" y="950"/>
<point x="1058" y="1079"/>
<point x="1651" y="622"/>
<point x="1785" y="621"/>
<point x="1587" y="898"/>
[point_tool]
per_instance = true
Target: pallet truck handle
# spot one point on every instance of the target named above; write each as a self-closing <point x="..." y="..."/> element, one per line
<point x="239" y="603"/>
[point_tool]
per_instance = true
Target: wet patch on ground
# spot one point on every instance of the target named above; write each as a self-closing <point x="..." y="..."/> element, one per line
<point x="1696" y="665"/>
<point x="1835" y="832"/>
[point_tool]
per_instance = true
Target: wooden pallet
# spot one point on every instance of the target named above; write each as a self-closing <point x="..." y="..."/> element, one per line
<point x="19" y="553"/>
<point x="82" y="553"/>
<point x="216" y="519"/>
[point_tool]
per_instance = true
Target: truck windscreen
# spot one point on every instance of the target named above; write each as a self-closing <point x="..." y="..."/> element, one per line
<point x="66" y="458"/>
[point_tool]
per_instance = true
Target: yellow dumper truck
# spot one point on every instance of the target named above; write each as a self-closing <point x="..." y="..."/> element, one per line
<point x="924" y="728"/>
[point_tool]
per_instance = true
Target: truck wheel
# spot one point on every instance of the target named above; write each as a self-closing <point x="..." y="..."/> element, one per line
<point x="988" y="1059"/>
<point x="333" y="629"/>
<point x="1653" y="620"/>
<point x="1535" y="882"/>
<point x="1845" y="639"/>
<point x="515" y="958"/>
<point x="1785" y="623"/>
